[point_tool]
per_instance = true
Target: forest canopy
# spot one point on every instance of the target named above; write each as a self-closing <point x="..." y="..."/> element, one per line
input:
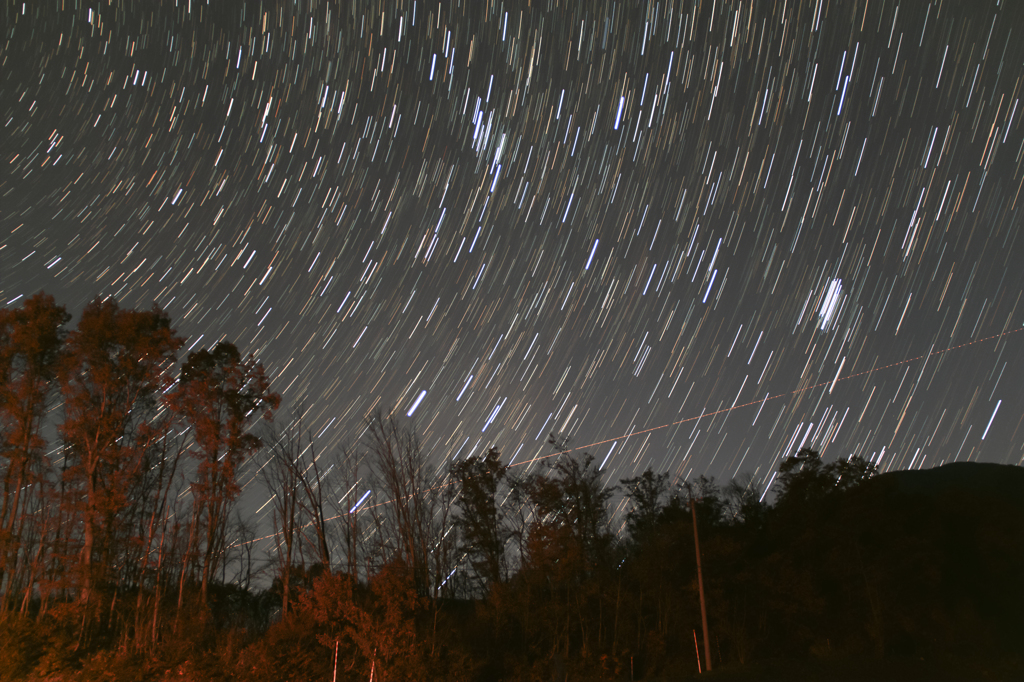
<point x="124" y="553"/>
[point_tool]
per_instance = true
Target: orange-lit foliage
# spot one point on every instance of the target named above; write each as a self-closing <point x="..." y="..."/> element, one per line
<point x="377" y="625"/>
<point x="113" y="374"/>
<point x="30" y="342"/>
<point x="218" y="396"/>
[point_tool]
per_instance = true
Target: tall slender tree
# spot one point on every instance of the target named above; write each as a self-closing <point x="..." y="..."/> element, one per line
<point x="568" y="549"/>
<point x="575" y="500"/>
<point x="281" y="476"/>
<point x="114" y="373"/>
<point x="30" y="342"/>
<point x="164" y="481"/>
<point x="481" y="520"/>
<point x="645" y="494"/>
<point x="348" y="468"/>
<point x="314" y="503"/>
<point x="219" y="395"/>
<point x="413" y="522"/>
<point x="294" y="470"/>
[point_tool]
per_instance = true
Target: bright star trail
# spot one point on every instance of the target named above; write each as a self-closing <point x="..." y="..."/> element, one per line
<point x="727" y="228"/>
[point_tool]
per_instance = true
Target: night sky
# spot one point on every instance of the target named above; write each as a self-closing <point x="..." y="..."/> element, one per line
<point x="800" y="220"/>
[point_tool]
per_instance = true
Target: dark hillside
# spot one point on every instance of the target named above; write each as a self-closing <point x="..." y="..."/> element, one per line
<point x="992" y="481"/>
<point x="914" y="563"/>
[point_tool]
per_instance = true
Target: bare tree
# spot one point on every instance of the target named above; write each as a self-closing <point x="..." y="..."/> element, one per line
<point x="246" y="534"/>
<point x="313" y="482"/>
<point x="166" y="481"/>
<point x="350" y="504"/>
<point x="281" y="477"/>
<point x="297" y="481"/>
<point x="412" y="518"/>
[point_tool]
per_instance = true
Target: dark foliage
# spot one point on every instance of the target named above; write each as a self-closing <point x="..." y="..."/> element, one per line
<point x="484" y="575"/>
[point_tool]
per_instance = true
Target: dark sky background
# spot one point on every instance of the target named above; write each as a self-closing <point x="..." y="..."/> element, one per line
<point x="800" y="219"/>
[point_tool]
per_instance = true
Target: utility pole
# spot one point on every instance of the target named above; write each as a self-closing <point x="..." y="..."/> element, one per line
<point x="700" y="587"/>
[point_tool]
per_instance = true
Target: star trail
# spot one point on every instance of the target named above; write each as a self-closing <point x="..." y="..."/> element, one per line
<point x="691" y="236"/>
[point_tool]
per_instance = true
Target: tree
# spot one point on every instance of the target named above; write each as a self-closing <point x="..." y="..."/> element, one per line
<point x="281" y="476"/>
<point x="348" y="466"/>
<point x="568" y="550"/>
<point x="156" y="493"/>
<point x="851" y="473"/>
<point x="30" y="342"/>
<point x="377" y="625"/>
<point x="219" y="396"/>
<point x="480" y="520"/>
<point x="645" y="493"/>
<point x="313" y="483"/>
<point x="706" y="495"/>
<point x="412" y="520"/>
<point x="744" y="504"/>
<point x="113" y="375"/>
<point x="574" y="498"/>
<point x="245" y="531"/>
<point x="804" y="478"/>
<point x="294" y="478"/>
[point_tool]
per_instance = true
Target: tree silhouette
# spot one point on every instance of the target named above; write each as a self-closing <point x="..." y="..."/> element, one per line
<point x="645" y="493"/>
<point x="481" y="519"/>
<point x="568" y="547"/>
<point x="804" y="478"/>
<point x="413" y="523"/>
<point x="840" y="565"/>
<point x="574" y="499"/>
<point x="295" y="480"/>
<point x="281" y="476"/>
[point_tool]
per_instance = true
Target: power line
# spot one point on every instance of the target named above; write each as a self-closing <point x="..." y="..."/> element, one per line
<point x="766" y="398"/>
<point x="706" y="414"/>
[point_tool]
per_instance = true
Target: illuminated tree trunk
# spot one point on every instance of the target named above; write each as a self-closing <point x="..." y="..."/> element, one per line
<point x="30" y="341"/>
<point x="113" y="377"/>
